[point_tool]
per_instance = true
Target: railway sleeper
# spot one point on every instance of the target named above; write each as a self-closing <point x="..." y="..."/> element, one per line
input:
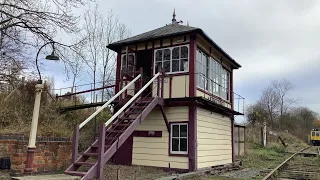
<point x="298" y="176"/>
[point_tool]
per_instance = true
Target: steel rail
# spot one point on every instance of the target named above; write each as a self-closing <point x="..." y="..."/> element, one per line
<point x="270" y="175"/>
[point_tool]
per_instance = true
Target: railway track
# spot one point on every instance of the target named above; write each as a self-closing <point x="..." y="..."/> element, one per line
<point x="303" y="165"/>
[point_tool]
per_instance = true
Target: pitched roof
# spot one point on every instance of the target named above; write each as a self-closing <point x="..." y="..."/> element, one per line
<point x="166" y="31"/>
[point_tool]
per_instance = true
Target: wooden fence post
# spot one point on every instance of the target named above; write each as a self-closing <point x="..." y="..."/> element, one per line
<point x="101" y="143"/>
<point x="75" y="143"/>
<point x="261" y="136"/>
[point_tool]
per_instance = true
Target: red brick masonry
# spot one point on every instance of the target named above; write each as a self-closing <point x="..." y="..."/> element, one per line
<point x="52" y="154"/>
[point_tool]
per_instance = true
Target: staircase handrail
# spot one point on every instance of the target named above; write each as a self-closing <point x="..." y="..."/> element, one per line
<point x="132" y="99"/>
<point x="108" y="102"/>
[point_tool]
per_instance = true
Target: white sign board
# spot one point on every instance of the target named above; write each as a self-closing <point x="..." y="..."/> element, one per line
<point x="265" y="135"/>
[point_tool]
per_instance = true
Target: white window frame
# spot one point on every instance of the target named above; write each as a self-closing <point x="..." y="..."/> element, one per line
<point x="134" y="59"/>
<point x="201" y="77"/>
<point x="171" y="48"/>
<point x="225" y="84"/>
<point x="214" y="75"/>
<point x="171" y="132"/>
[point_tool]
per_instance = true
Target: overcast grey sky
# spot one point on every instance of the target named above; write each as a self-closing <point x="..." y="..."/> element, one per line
<point x="270" y="39"/>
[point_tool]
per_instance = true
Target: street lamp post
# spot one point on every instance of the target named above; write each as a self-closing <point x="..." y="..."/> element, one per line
<point x="35" y="115"/>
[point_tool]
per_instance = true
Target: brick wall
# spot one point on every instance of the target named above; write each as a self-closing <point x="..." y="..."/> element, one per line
<point x="52" y="154"/>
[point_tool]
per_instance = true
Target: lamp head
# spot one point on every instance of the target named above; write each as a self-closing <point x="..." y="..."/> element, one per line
<point x="53" y="57"/>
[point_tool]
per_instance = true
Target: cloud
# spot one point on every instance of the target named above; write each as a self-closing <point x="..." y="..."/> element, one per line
<point x="270" y="39"/>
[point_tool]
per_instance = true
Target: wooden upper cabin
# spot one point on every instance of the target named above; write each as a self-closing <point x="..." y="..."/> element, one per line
<point x="195" y="66"/>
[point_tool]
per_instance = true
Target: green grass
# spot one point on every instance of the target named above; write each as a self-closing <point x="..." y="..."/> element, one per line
<point x="259" y="157"/>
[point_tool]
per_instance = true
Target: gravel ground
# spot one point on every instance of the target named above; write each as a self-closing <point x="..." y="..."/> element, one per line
<point x="132" y="172"/>
<point x="5" y="175"/>
<point x="232" y="175"/>
<point x="242" y="174"/>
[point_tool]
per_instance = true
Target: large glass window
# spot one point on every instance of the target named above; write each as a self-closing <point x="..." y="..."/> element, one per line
<point x="225" y="84"/>
<point x="201" y="69"/>
<point x="211" y="76"/>
<point x="130" y="62"/>
<point x="173" y="59"/>
<point x="179" y="138"/>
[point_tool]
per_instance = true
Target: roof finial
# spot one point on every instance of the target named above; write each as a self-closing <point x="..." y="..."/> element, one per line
<point x="174" y="21"/>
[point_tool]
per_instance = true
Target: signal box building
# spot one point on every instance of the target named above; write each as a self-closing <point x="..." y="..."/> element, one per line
<point x="189" y="125"/>
<point x="198" y="99"/>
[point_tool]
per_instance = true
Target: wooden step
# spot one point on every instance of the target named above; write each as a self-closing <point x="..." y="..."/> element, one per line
<point x="90" y="154"/>
<point x="114" y="131"/>
<point x="97" y="146"/>
<point x="109" y="140"/>
<point x="121" y="124"/>
<point x="84" y="163"/>
<point x="76" y="173"/>
<point x="138" y="107"/>
<point x="144" y="101"/>
<point x="122" y="128"/>
<point x="133" y="112"/>
<point x="129" y="119"/>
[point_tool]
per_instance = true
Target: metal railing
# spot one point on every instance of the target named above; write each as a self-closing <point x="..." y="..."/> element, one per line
<point x="132" y="99"/>
<point x="207" y="88"/>
<point x="109" y="101"/>
<point x="121" y="92"/>
<point x="220" y="94"/>
<point x="212" y="91"/>
<point x="75" y="142"/>
<point x="90" y="93"/>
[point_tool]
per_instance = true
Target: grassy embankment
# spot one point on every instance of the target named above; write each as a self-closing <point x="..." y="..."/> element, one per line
<point x="16" y="115"/>
<point x="258" y="157"/>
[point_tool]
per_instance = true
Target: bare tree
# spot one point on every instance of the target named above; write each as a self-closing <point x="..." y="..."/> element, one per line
<point x="75" y="68"/>
<point x="28" y="24"/>
<point x="93" y="19"/>
<point x="39" y="17"/>
<point x="282" y="88"/>
<point x="269" y="100"/>
<point x="102" y="31"/>
<point x="111" y="31"/>
<point x="276" y="100"/>
<point x="12" y="58"/>
<point x="276" y="107"/>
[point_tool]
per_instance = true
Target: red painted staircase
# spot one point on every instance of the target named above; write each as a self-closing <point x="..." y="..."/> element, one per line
<point x="113" y="134"/>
